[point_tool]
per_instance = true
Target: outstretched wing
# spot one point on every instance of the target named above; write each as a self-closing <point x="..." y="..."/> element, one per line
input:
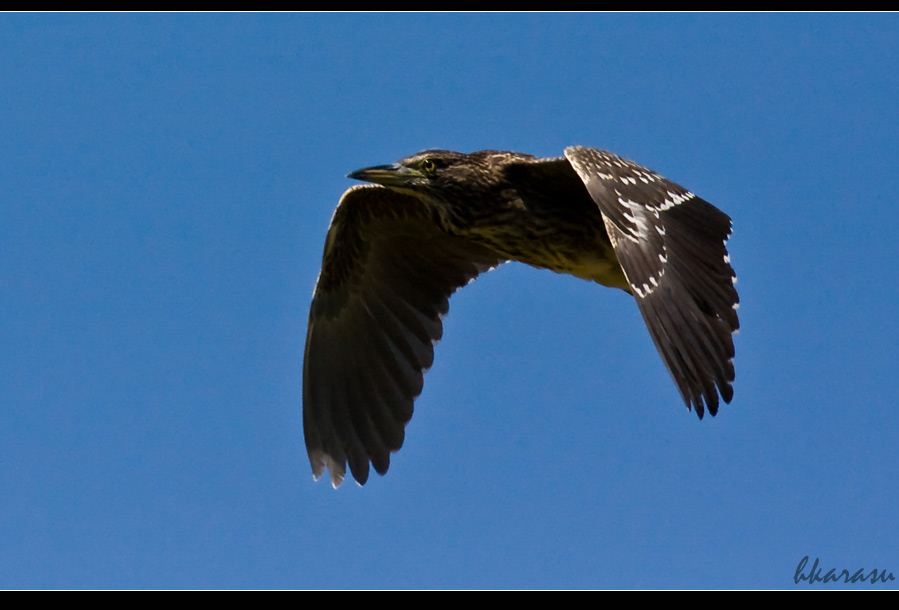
<point x="671" y="245"/>
<point x="386" y="278"/>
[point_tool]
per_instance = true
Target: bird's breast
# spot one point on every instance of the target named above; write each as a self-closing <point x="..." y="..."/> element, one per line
<point x="577" y="246"/>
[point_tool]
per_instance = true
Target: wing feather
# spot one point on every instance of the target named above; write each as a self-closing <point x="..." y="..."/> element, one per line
<point x="672" y="247"/>
<point x="387" y="274"/>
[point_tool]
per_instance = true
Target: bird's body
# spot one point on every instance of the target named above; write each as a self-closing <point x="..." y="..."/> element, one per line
<point x="395" y="253"/>
<point x="529" y="210"/>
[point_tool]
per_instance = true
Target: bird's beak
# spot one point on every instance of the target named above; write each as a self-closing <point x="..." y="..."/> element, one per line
<point x="386" y="175"/>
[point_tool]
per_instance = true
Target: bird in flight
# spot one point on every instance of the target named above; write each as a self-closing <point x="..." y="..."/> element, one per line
<point x="398" y="247"/>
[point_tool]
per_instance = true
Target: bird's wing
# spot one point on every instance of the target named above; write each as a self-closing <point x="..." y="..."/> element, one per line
<point x="386" y="278"/>
<point x="671" y="245"/>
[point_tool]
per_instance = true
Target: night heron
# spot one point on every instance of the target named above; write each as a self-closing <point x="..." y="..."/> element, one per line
<point x="396" y="250"/>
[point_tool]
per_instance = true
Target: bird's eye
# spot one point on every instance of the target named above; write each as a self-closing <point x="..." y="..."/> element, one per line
<point x="428" y="166"/>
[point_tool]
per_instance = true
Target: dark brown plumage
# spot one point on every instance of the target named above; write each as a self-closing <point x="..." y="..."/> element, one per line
<point x="432" y="222"/>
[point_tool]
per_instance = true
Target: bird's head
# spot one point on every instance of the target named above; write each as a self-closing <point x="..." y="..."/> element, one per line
<point x="441" y="175"/>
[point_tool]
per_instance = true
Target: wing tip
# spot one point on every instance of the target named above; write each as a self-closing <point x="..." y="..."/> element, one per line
<point x="320" y="461"/>
<point x="709" y="401"/>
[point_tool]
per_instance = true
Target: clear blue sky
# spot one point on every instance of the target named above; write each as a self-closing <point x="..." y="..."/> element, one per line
<point x="166" y="182"/>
